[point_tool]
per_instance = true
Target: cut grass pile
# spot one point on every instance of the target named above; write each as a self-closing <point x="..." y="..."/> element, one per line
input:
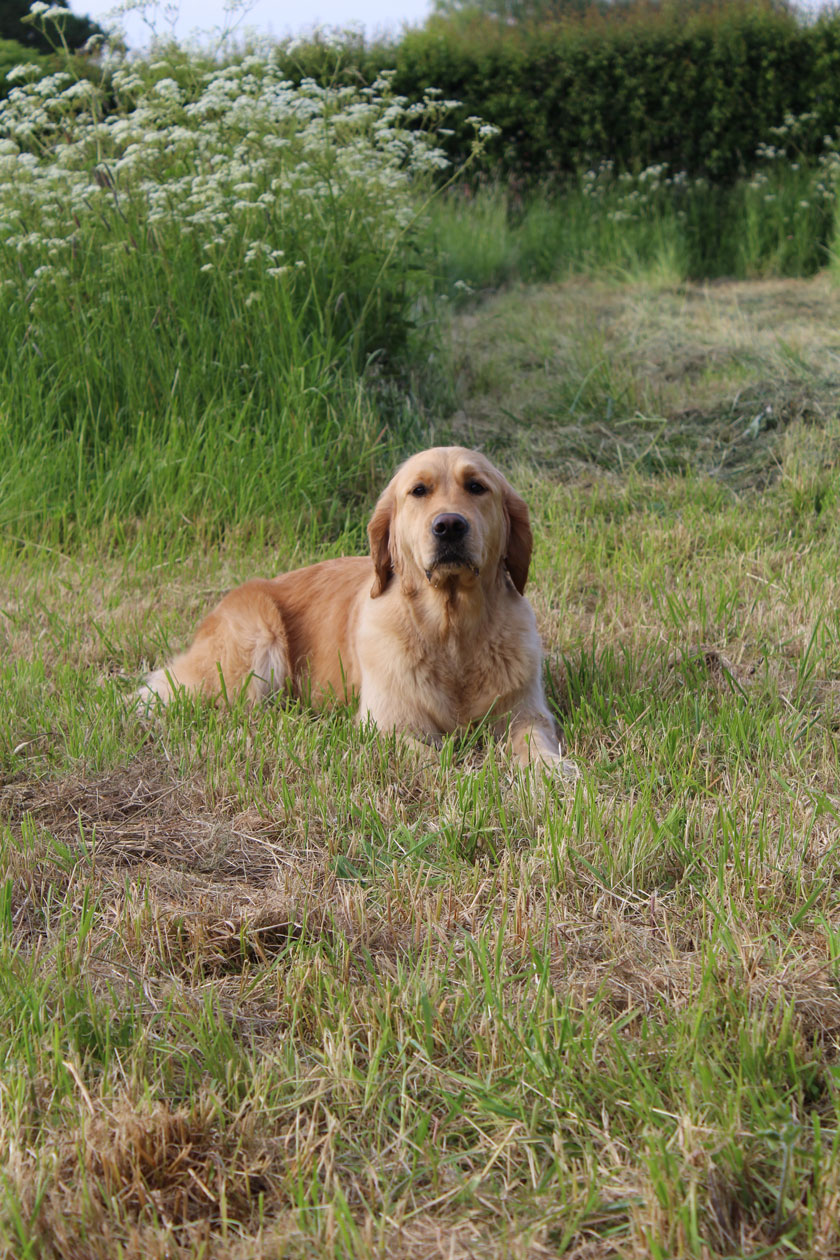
<point x="274" y="986"/>
<point x="734" y="381"/>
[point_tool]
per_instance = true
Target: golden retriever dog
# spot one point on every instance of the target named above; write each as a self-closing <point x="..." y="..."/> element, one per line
<point x="431" y="631"/>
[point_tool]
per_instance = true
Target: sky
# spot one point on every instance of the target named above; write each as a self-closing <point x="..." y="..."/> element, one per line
<point x="269" y="17"/>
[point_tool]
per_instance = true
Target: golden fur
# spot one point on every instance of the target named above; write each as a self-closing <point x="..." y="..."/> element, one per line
<point x="431" y="630"/>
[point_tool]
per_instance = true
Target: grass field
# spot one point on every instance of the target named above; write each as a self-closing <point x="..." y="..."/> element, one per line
<point x="274" y="986"/>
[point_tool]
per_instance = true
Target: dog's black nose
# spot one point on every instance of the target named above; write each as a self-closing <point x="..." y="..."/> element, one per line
<point x="450" y="526"/>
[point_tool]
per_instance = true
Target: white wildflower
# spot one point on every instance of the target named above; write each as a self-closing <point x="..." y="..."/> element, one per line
<point x="168" y="88"/>
<point x="21" y="73"/>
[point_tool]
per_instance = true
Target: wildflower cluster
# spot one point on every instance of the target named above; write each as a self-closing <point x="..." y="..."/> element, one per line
<point x="263" y="177"/>
<point x="793" y="139"/>
<point x="626" y="197"/>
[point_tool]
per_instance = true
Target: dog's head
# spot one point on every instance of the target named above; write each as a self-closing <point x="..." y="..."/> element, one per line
<point x="449" y="515"/>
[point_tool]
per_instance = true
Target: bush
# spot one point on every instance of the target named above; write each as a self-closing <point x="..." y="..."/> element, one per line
<point x="698" y="94"/>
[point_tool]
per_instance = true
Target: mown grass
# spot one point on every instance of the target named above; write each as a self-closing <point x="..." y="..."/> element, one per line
<point x="272" y="985"/>
<point x="731" y="381"/>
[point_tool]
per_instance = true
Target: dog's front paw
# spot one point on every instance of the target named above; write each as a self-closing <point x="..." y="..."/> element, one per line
<point x="557" y="764"/>
<point x="154" y="692"/>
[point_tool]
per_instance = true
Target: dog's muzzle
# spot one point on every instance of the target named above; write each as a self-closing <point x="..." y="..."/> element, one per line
<point x="450" y="531"/>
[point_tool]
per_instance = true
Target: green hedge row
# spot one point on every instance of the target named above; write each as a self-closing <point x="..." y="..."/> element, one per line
<point x="698" y="91"/>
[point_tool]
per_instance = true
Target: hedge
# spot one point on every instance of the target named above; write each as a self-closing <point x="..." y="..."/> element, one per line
<point x="699" y="92"/>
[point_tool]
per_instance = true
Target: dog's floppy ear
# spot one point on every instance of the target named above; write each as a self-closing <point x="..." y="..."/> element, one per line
<point x="520" y="539"/>
<point x="379" y="533"/>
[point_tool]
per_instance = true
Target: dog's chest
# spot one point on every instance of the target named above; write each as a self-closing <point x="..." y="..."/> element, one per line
<point x="467" y="679"/>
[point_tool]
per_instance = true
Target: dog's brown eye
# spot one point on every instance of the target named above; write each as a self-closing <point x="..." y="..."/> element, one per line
<point x="420" y="490"/>
<point x="476" y="487"/>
